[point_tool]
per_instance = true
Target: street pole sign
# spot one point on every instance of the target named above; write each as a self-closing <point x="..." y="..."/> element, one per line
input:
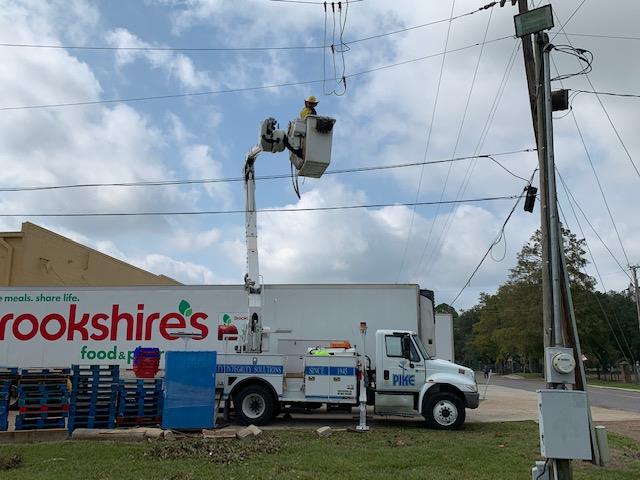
<point x="534" y="21"/>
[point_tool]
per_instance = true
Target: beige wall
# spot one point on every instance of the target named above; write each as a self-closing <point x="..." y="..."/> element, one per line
<point x="39" y="257"/>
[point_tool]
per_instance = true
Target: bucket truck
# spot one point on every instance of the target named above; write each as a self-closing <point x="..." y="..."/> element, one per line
<point x="403" y="379"/>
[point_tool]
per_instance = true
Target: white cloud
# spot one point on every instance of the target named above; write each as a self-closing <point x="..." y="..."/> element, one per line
<point x="184" y="272"/>
<point x="175" y="65"/>
<point x="196" y="240"/>
<point x="200" y="164"/>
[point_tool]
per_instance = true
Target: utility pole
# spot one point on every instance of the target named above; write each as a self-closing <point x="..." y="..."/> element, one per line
<point x="551" y="235"/>
<point x="636" y="294"/>
<point x="529" y="68"/>
<point x="547" y="295"/>
<point x="561" y="340"/>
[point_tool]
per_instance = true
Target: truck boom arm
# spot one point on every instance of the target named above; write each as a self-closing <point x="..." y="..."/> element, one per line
<point x="274" y="140"/>
<point x="253" y="332"/>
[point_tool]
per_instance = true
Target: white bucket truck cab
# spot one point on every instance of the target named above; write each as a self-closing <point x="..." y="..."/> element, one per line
<point x="404" y="380"/>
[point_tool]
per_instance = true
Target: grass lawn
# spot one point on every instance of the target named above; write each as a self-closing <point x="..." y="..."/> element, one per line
<point x="480" y="452"/>
<point x="606" y="383"/>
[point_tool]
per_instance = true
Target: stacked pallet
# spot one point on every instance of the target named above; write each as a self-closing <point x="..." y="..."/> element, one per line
<point x="8" y="378"/>
<point x="5" y="396"/>
<point x="94" y="395"/>
<point x="140" y="403"/>
<point x="43" y="398"/>
<point x="9" y="374"/>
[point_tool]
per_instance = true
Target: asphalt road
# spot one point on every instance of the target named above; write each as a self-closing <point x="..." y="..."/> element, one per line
<point x="599" y="397"/>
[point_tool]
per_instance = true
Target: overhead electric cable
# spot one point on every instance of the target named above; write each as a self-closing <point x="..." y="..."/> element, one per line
<point x="593" y="229"/>
<point x="310" y="2"/>
<point x="266" y="210"/>
<point x="568" y="19"/>
<point x="612" y="94"/>
<point x="595" y="265"/>
<point x="239" y="89"/>
<point x="494" y="242"/>
<point x="147" y="183"/>
<point x="108" y="48"/>
<point x="455" y="147"/>
<point x="428" y="143"/>
<point x="604" y="109"/>
<point x="596" y="176"/>
<point x="604" y="198"/>
<point x="481" y="140"/>
<point x="483" y="136"/>
<point x="595" y="35"/>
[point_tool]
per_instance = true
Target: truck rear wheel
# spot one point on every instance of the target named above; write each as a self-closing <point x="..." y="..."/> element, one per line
<point x="444" y="411"/>
<point x="255" y="405"/>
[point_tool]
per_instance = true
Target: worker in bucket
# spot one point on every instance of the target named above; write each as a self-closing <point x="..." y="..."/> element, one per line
<point x="309" y="107"/>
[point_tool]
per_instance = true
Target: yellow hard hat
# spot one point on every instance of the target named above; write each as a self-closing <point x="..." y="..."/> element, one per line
<point x="311" y="99"/>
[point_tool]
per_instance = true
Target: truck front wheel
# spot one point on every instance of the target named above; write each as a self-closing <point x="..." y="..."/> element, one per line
<point x="255" y="405"/>
<point x="444" y="411"/>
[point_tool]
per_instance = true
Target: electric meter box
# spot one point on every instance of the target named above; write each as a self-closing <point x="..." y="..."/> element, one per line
<point x="559" y="365"/>
<point x="317" y="146"/>
<point x="564" y="424"/>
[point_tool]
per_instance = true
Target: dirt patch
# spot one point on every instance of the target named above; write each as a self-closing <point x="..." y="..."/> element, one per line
<point x="629" y="429"/>
<point x="222" y="451"/>
<point x="11" y="462"/>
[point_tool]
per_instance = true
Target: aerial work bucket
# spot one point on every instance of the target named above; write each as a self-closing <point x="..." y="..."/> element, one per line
<point x="312" y="138"/>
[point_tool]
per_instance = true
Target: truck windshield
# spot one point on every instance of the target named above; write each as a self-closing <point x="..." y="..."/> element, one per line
<point x="423" y="351"/>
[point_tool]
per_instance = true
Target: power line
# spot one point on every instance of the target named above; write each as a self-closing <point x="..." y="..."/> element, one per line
<point x="604" y="198"/>
<point x="595" y="174"/>
<point x="483" y="135"/>
<point x="239" y="89"/>
<point x="426" y="149"/>
<point x="584" y="215"/>
<point x="595" y="35"/>
<point x="109" y="48"/>
<point x="595" y="265"/>
<point x="455" y="148"/>
<point x="604" y="109"/>
<point x="426" y="57"/>
<point x="568" y="19"/>
<point x="266" y="210"/>
<point x="612" y="94"/>
<point x="428" y="24"/>
<point x="494" y="242"/>
<point x="310" y="2"/>
<point x="154" y="183"/>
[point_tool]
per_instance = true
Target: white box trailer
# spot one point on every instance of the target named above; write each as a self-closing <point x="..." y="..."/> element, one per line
<point x="42" y="327"/>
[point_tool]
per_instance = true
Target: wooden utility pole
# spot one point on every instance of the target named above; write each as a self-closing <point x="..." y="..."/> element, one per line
<point x="636" y="293"/>
<point x="553" y="286"/>
<point x="530" y="70"/>
<point x="561" y="339"/>
<point x="547" y="310"/>
<point x="535" y="86"/>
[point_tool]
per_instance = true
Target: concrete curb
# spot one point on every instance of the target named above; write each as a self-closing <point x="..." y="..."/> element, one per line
<point x="33" y="436"/>
<point x="614" y="388"/>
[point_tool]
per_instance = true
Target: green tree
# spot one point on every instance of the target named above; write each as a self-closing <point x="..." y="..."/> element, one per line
<point x="462" y="334"/>
<point x="446" y="308"/>
<point x="509" y="329"/>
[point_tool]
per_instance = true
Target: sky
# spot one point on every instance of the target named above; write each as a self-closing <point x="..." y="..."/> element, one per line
<point x="471" y="101"/>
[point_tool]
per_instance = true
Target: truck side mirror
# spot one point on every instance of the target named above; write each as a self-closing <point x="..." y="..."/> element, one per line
<point x="406" y="346"/>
